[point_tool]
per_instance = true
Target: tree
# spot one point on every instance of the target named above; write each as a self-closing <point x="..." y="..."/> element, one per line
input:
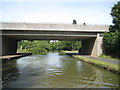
<point x="115" y="13"/>
<point x="74" y="22"/>
<point x="39" y="47"/>
<point x="70" y="45"/>
<point x="111" y="40"/>
<point x="84" y="23"/>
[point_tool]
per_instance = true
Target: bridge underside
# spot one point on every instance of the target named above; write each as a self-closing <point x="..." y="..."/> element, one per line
<point x="91" y="42"/>
<point x="47" y="35"/>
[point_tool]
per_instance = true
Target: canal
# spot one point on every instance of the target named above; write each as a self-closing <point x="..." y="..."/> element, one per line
<point x="55" y="71"/>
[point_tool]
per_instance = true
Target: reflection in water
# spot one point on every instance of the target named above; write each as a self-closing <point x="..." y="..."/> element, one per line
<point x="9" y="73"/>
<point x="55" y="71"/>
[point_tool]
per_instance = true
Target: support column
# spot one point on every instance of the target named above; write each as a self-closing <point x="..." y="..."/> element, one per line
<point x="0" y="45"/>
<point x="99" y="43"/>
<point x="92" y="46"/>
<point x="0" y="59"/>
<point x="9" y="46"/>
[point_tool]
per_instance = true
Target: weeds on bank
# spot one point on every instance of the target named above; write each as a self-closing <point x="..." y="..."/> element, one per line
<point x="108" y="57"/>
<point x="99" y="63"/>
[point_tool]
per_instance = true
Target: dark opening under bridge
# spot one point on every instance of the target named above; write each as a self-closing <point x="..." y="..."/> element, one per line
<point x="90" y="35"/>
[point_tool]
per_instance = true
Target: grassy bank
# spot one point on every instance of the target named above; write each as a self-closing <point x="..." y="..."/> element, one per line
<point x="108" y="66"/>
<point x="33" y="51"/>
<point x="23" y="51"/>
<point x="69" y="51"/>
<point x="108" y="57"/>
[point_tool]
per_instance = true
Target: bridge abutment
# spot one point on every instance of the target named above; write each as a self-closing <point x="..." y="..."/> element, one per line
<point x="9" y="46"/>
<point x="92" y="46"/>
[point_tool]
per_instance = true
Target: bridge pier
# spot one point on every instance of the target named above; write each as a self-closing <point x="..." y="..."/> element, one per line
<point x="92" y="46"/>
<point x="9" y="46"/>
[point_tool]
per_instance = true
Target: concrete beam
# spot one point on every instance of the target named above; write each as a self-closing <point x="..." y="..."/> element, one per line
<point x="53" y="27"/>
<point x="51" y="35"/>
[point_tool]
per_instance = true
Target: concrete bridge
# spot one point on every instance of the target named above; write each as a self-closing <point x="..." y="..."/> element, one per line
<point x="90" y="35"/>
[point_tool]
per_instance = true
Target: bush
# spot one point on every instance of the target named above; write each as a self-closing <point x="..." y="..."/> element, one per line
<point x="37" y="50"/>
<point x="110" y="44"/>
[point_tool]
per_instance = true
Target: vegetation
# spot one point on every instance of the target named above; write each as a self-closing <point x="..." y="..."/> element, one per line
<point x="76" y="51"/>
<point x="108" y="57"/>
<point x="23" y="51"/>
<point x="112" y="67"/>
<point x="102" y="64"/>
<point x="35" y="47"/>
<point x="69" y="45"/>
<point x="111" y="40"/>
<point x="74" y="22"/>
<point x="41" y="47"/>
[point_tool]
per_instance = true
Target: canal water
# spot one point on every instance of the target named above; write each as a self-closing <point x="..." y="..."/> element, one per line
<point x="55" y="71"/>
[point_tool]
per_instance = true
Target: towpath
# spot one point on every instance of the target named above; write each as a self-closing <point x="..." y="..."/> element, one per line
<point x="98" y="58"/>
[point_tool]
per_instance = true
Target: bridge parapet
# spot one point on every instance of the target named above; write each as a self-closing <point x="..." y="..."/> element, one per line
<point x="54" y="27"/>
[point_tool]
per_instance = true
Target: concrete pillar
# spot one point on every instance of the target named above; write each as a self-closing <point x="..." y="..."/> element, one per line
<point x="9" y="46"/>
<point x="99" y="44"/>
<point x="92" y="46"/>
<point x="0" y="45"/>
<point x="0" y="61"/>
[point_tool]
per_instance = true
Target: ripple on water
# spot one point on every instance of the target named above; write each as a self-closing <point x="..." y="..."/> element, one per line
<point x="54" y="70"/>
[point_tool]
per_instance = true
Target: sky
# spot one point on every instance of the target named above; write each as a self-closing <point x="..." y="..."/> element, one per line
<point x="57" y="11"/>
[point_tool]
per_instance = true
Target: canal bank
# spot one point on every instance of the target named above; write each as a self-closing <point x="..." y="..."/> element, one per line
<point x="18" y="55"/>
<point x="109" y="65"/>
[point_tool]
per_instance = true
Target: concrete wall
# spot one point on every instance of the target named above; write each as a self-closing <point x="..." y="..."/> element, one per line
<point x="87" y="46"/>
<point x="53" y="27"/>
<point x="9" y="46"/>
<point x="99" y="43"/>
<point x="0" y="45"/>
<point x="92" y="46"/>
<point x="0" y="62"/>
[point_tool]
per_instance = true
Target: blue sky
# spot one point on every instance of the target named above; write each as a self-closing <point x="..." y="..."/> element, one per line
<point x="57" y="11"/>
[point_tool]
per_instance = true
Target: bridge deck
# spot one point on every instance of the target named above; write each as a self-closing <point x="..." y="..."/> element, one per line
<point x="54" y="27"/>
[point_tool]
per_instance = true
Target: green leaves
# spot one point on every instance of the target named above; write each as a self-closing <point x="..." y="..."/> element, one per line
<point x="115" y="13"/>
<point x="74" y="22"/>
<point x="70" y="45"/>
<point x="111" y="40"/>
<point x="38" y="47"/>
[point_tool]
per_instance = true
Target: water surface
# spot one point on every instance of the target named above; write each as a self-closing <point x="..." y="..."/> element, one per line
<point x="55" y="71"/>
